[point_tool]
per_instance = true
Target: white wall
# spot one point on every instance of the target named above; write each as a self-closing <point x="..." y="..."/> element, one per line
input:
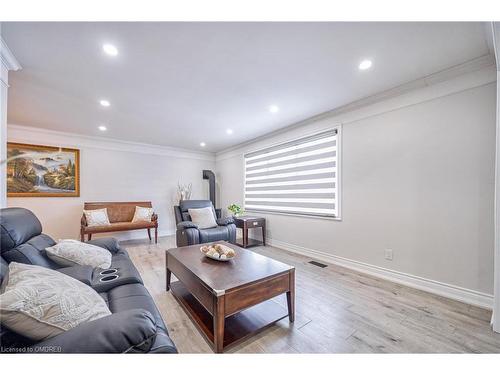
<point x="7" y="62"/>
<point x="4" y="84"/>
<point x="494" y="32"/>
<point x="3" y="133"/>
<point x="115" y="171"/>
<point x="417" y="177"/>
<point x="495" y="319"/>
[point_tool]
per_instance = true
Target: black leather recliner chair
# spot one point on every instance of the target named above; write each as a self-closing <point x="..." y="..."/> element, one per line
<point x="188" y="232"/>
<point x="135" y="324"/>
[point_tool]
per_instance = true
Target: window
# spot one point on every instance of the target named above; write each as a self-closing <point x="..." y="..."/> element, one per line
<point x="298" y="177"/>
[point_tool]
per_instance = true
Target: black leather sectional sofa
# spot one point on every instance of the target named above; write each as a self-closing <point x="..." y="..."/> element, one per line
<point x="135" y="325"/>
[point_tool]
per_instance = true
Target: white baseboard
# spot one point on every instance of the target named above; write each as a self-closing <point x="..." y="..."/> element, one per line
<point x="468" y="296"/>
<point x="133" y="235"/>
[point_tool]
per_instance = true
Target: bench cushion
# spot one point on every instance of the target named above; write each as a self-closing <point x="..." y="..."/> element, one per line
<point x="116" y="227"/>
<point x="117" y="211"/>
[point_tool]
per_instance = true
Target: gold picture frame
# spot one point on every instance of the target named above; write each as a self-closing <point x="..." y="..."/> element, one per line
<point x="45" y="171"/>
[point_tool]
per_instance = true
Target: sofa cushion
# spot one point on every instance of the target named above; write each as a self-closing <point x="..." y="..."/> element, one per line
<point x="131" y="331"/>
<point x="4" y="270"/>
<point x="13" y="342"/>
<point x="136" y="296"/>
<point x="214" y="234"/>
<point x="40" y="303"/>
<point x="32" y="252"/>
<point x="132" y="296"/>
<point x="72" y="253"/>
<point x="17" y="225"/>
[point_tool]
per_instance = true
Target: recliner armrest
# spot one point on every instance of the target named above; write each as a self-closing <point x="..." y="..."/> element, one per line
<point x="122" y="332"/>
<point x="225" y="221"/>
<point x="186" y="224"/>
<point x="108" y="243"/>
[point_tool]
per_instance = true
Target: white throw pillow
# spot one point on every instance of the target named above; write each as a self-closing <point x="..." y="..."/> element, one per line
<point x="142" y="214"/>
<point x="97" y="218"/>
<point x="40" y="303"/>
<point x="72" y="252"/>
<point x="203" y="217"/>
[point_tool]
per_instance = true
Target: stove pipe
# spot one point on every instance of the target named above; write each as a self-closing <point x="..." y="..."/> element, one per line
<point x="210" y="176"/>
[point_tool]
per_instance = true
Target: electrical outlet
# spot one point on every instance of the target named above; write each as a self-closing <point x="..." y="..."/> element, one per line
<point x="389" y="254"/>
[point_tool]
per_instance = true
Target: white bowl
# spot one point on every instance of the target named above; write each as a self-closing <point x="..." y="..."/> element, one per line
<point x="215" y="258"/>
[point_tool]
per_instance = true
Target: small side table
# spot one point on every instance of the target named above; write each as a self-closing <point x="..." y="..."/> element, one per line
<point x="249" y="222"/>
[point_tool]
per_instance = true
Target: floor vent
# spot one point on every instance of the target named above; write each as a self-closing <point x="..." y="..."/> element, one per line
<point x="318" y="264"/>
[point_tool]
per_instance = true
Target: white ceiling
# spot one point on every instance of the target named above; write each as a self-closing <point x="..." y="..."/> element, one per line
<point x="178" y="84"/>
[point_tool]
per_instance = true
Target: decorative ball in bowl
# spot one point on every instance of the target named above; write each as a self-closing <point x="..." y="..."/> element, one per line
<point x="218" y="252"/>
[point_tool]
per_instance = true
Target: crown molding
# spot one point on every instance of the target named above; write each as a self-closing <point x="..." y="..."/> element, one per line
<point x="28" y="134"/>
<point x="8" y="59"/>
<point x="470" y="74"/>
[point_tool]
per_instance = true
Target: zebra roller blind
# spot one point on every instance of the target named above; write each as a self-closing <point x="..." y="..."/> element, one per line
<point x="298" y="177"/>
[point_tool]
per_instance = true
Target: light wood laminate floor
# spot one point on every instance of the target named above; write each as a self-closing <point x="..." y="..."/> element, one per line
<point x="337" y="311"/>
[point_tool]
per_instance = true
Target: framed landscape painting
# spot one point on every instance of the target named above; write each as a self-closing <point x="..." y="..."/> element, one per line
<point x="42" y="171"/>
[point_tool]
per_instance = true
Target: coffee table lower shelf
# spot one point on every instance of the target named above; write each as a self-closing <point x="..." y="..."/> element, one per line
<point x="238" y="327"/>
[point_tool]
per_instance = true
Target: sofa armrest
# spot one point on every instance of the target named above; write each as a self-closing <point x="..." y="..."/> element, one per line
<point x="225" y="221"/>
<point x="163" y="344"/>
<point x="123" y="332"/>
<point x="186" y="224"/>
<point x="108" y="243"/>
<point x="154" y="217"/>
<point x="83" y="221"/>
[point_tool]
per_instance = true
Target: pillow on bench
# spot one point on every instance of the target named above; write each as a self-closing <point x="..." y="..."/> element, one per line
<point x="96" y="218"/>
<point x="142" y="214"/>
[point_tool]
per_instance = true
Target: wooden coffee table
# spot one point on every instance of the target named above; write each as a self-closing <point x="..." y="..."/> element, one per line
<point x="230" y="301"/>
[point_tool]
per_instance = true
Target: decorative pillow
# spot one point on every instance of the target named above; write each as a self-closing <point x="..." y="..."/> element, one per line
<point x="72" y="252"/>
<point x="97" y="218"/>
<point x="142" y="214"/>
<point x="40" y="303"/>
<point x="203" y="217"/>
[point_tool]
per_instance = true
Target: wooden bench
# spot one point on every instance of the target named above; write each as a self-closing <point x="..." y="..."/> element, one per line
<point x="120" y="216"/>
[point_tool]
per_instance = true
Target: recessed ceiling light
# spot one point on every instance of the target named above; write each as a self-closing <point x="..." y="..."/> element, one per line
<point x="365" y="64"/>
<point x="203" y="144"/>
<point x="110" y="49"/>
<point x="274" y="109"/>
<point x="229" y="131"/>
<point x="104" y="103"/>
<point x="102" y="128"/>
